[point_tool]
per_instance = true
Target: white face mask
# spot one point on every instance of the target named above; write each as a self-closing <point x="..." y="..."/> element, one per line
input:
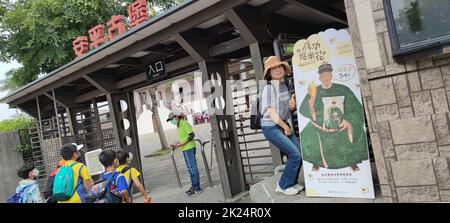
<point x="174" y="121"/>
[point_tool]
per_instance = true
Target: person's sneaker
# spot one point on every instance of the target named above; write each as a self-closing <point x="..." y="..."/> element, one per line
<point x="194" y="192"/>
<point x="190" y="190"/>
<point x="290" y="191"/>
<point x="299" y="187"/>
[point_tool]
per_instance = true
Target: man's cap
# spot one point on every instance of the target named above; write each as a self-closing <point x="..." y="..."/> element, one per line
<point x="172" y="115"/>
<point x="71" y="147"/>
<point x="325" y="68"/>
<point x="79" y="147"/>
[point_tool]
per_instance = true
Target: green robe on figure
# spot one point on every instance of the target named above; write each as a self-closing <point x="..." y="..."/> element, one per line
<point x="338" y="151"/>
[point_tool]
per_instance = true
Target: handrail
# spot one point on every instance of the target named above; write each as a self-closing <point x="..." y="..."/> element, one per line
<point x="175" y="168"/>
<point x="205" y="161"/>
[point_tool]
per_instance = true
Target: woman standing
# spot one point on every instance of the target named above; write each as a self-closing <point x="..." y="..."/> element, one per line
<point x="276" y="106"/>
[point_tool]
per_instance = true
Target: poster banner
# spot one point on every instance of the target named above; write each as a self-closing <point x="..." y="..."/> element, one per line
<point x="93" y="163"/>
<point x="331" y="117"/>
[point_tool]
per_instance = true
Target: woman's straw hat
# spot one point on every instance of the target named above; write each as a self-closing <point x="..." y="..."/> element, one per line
<point x="274" y="61"/>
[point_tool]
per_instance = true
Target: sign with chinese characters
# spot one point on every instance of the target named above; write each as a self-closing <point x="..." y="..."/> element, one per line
<point x="93" y="163"/>
<point x="156" y="70"/>
<point x="331" y="117"/>
<point x="137" y="14"/>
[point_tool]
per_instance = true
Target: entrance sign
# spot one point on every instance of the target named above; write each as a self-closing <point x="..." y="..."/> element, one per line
<point x="93" y="163"/>
<point x="331" y="117"/>
<point x="156" y="70"/>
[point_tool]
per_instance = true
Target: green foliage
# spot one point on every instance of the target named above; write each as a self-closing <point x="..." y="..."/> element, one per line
<point x="19" y="124"/>
<point x="413" y="15"/>
<point x="15" y="124"/>
<point x="25" y="143"/>
<point x="39" y="33"/>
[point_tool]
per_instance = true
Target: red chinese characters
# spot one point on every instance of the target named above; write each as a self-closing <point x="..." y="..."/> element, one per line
<point x="97" y="36"/>
<point x="138" y="12"/>
<point x="80" y="45"/>
<point x="116" y="26"/>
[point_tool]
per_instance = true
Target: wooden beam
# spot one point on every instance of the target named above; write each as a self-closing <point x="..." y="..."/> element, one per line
<point x="88" y="96"/>
<point x="228" y="47"/>
<point x="322" y="9"/>
<point x="271" y="7"/>
<point x="42" y="90"/>
<point x="29" y="109"/>
<point x="101" y="83"/>
<point x="184" y="25"/>
<point x="240" y="25"/>
<point x="196" y="48"/>
<point x="130" y="61"/>
<point x="58" y="101"/>
<point x="250" y="23"/>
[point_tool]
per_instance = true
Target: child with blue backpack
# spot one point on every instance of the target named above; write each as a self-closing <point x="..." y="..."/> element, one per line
<point x="28" y="189"/>
<point x="117" y="185"/>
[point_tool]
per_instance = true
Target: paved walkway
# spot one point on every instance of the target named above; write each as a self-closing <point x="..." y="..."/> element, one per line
<point x="159" y="174"/>
<point x="264" y="192"/>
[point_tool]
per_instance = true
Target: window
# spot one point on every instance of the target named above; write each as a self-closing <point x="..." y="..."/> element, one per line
<point x="416" y="25"/>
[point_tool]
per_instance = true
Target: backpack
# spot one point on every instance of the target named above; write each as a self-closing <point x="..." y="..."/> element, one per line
<point x="18" y="197"/>
<point x="104" y="191"/>
<point x="49" y="190"/>
<point x="255" y="115"/>
<point x="63" y="188"/>
<point x="131" y="180"/>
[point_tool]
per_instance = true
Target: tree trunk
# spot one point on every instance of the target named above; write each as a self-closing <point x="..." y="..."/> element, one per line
<point x="156" y="120"/>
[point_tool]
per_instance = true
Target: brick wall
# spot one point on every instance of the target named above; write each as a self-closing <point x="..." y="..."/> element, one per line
<point x="407" y="108"/>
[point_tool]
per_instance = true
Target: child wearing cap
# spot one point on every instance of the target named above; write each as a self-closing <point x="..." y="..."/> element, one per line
<point x="82" y="179"/>
<point x="130" y="173"/>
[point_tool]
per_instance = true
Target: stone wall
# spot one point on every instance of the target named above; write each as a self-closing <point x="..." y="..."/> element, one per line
<point x="407" y="108"/>
<point x="10" y="162"/>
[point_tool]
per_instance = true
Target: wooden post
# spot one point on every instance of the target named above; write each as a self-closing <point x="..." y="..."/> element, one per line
<point x="57" y="118"/>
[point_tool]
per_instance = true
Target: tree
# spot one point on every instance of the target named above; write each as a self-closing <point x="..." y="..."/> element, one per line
<point x="156" y="119"/>
<point x="39" y="33"/>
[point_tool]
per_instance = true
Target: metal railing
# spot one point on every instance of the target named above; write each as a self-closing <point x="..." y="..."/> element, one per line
<point x="205" y="162"/>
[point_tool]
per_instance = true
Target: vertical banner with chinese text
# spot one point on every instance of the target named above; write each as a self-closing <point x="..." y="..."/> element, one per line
<point x="331" y="117"/>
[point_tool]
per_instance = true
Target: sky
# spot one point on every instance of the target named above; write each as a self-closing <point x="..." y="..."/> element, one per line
<point x="5" y="112"/>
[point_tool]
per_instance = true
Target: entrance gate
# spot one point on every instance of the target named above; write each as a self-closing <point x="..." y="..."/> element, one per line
<point x="254" y="148"/>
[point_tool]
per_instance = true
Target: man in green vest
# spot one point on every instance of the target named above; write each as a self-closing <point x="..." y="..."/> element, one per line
<point x="186" y="142"/>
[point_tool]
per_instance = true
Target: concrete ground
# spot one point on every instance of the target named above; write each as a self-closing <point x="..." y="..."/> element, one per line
<point x="264" y="192"/>
<point x="159" y="173"/>
<point x="160" y="178"/>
